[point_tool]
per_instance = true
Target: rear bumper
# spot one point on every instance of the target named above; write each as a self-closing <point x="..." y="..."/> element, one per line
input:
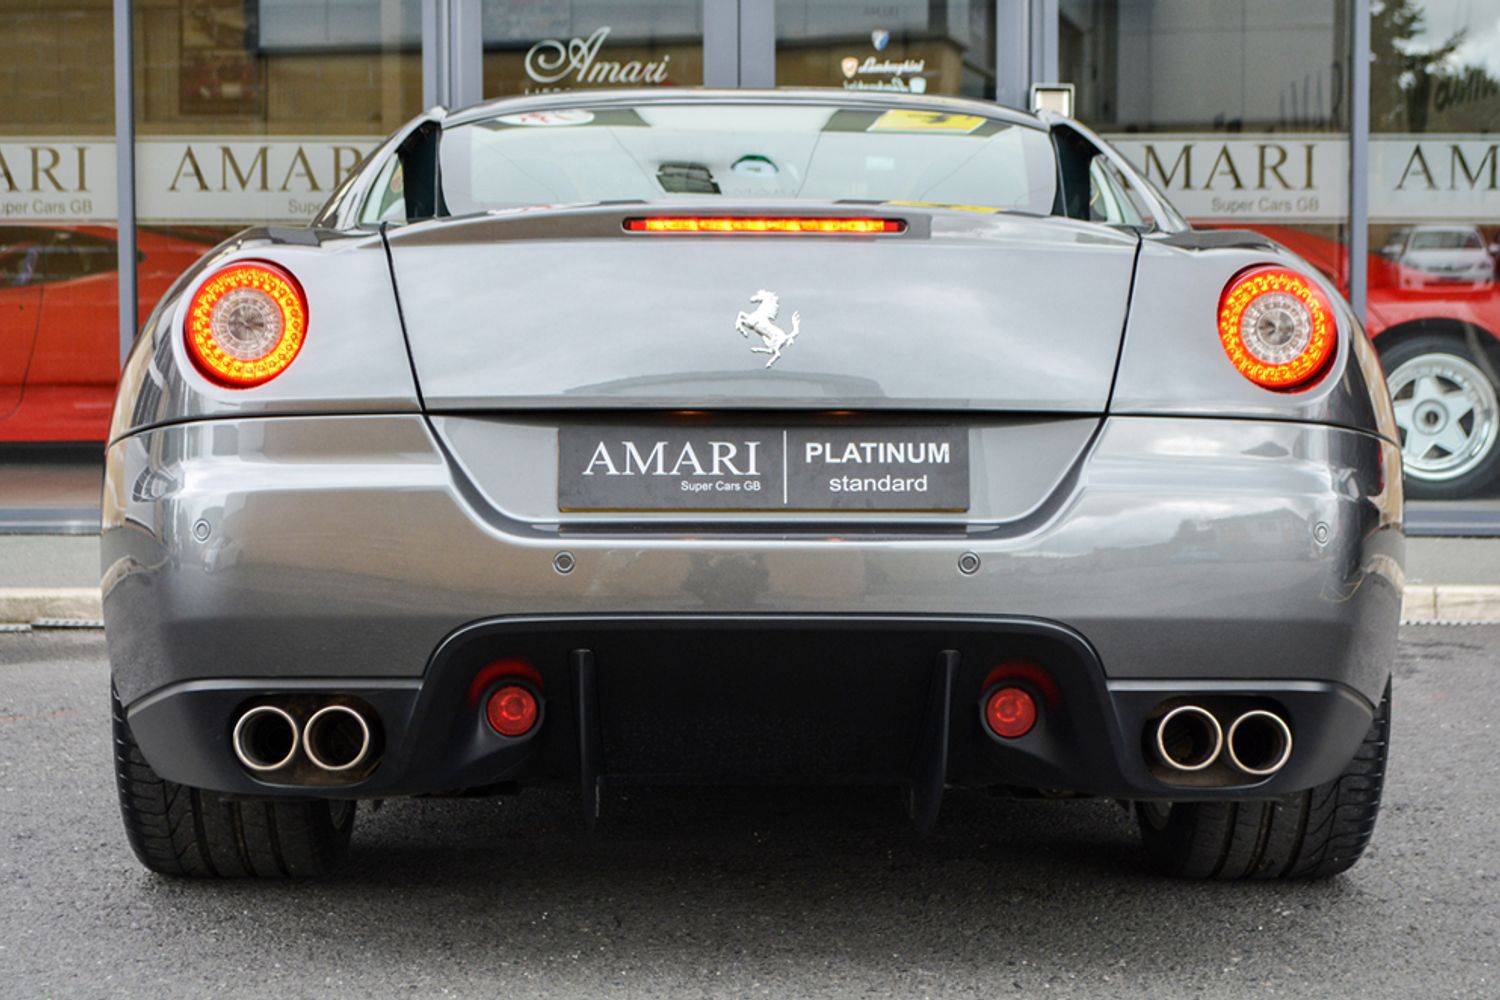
<point x="754" y="699"/>
<point x="349" y="552"/>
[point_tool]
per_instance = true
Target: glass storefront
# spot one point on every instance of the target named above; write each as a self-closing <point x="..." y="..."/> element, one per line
<point x="246" y="113"/>
<point x="251" y="111"/>
<point x="905" y="46"/>
<point x="1434" y="226"/>
<point x="537" y="47"/>
<point x="59" y="303"/>
<point x="1242" y="110"/>
<point x="1239" y="109"/>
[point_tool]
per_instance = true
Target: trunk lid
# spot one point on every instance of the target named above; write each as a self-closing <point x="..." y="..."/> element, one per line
<point x="563" y="308"/>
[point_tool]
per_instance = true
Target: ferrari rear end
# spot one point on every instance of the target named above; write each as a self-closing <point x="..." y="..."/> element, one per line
<point x="752" y="437"/>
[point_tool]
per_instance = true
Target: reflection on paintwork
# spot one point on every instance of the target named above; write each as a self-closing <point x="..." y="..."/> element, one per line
<point x="59" y="295"/>
<point x="415" y="556"/>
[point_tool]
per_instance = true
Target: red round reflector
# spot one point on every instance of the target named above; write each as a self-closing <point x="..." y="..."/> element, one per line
<point x="1010" y="712"/>
<point x="1277" y="327"/>
<point x="511" y="710"/>
<point x="246" y="323"/>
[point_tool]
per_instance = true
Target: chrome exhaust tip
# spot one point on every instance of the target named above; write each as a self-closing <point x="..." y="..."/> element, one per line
<point x="1260" y="742"/>
<point x="336" y="738"/>
<point x="1189" y="738"/>
<point x="265" y="738"/>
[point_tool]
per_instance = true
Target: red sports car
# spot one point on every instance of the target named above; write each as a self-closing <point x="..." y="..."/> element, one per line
<point x="60" y="327"/>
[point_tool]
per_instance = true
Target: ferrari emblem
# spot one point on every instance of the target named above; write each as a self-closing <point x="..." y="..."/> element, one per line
<point x="761" y="322"/>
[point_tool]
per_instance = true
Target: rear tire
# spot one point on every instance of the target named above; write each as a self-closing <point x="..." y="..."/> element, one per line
<point x="1311" y="834"/>
<point x="195" y="833"/>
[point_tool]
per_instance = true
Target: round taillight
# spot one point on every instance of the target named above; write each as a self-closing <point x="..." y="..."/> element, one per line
<point x="1277" y="327"/>
<point x="1010" y="712"/>
<point x="246" y="323"/>
<point x="511" y="710"/>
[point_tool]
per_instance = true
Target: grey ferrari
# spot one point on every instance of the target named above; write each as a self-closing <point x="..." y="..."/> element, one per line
<point x="751" y="437"/>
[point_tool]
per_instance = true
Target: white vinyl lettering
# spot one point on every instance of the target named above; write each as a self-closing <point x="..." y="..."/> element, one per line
<point x="552" y="60"/>
<point x="751" y="451"/>
<point x="657" y="457"/>
<point x="723" y="457"/>
<point x="601" y="457"/>
<point x="688" y="457"/>
<point x="866" y="452"/>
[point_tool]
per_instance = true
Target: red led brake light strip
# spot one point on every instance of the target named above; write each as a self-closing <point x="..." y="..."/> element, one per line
<point x="762" y="224"/>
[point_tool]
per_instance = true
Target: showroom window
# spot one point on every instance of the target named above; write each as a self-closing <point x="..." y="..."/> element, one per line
<point x="551" y="45"/>
<point x="1242" y="111"/>
<point x="1433" y="305"/>
<point x="58" y="251"/>
<point x="1239" y="109"/>
<point x="906" y="46"/>
<point x="250" y="112"/>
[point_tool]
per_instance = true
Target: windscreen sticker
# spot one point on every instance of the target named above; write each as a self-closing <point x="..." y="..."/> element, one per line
<point x="564" y="117"/>
<point x="561" y="116"/>
<point x="986" y="209"/>
<point x="908" y="120"/>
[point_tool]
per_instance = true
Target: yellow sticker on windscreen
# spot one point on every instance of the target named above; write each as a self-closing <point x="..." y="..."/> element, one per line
<point x="986" y="209"/>
<point x="906" y="120"/>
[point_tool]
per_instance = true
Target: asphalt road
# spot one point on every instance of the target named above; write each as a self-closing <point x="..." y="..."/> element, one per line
<point x="763" y="893"/>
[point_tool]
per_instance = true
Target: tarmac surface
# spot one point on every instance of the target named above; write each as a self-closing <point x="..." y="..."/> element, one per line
<point x="725" y="892"/>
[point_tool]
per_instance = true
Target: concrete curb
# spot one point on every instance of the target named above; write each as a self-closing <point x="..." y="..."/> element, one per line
<point x="29" y="604"/>
<point x="1452" y="602"/>
<point x="1422" y="602"/>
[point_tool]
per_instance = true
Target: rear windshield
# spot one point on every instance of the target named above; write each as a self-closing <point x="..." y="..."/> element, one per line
<point x="655" y="152"/>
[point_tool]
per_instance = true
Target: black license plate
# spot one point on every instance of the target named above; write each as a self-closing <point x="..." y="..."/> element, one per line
<point x="640" y="468"/>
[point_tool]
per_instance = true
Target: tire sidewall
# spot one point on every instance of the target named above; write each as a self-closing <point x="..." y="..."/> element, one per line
<point x="1487" y="472"/>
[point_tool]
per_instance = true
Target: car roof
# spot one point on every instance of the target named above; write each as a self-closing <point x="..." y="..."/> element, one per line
<point x="699" y="95"/>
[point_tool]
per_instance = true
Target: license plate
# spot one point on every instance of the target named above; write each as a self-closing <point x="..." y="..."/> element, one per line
<point x="641" y="468"/>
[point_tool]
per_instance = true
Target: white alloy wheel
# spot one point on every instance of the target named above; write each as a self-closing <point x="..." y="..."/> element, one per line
<point x="1448" y="415"/>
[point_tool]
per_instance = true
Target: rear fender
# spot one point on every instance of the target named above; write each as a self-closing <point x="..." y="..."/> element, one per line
<point x="354" y="359"/>
<point x="1172" y="362"/>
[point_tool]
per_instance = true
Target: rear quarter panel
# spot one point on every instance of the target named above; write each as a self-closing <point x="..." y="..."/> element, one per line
<point x="1172" y="362"/>
<point x="354" y="359"/>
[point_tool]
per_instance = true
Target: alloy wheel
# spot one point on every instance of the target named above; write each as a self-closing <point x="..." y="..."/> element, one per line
<point x="1448" y="414"/>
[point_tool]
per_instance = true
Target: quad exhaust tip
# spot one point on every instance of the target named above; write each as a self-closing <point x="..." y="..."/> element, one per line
<point x="265" y="738"/>
<point x="1189" y="738"/>
<point x="336" y="738"/>
<point x="1259" y="743"/>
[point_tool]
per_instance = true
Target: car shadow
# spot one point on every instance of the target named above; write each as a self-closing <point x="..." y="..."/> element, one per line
<point x="776" y="876"/>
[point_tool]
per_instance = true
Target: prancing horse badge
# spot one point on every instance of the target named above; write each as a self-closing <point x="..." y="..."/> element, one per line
<point x="761" y="322"/>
